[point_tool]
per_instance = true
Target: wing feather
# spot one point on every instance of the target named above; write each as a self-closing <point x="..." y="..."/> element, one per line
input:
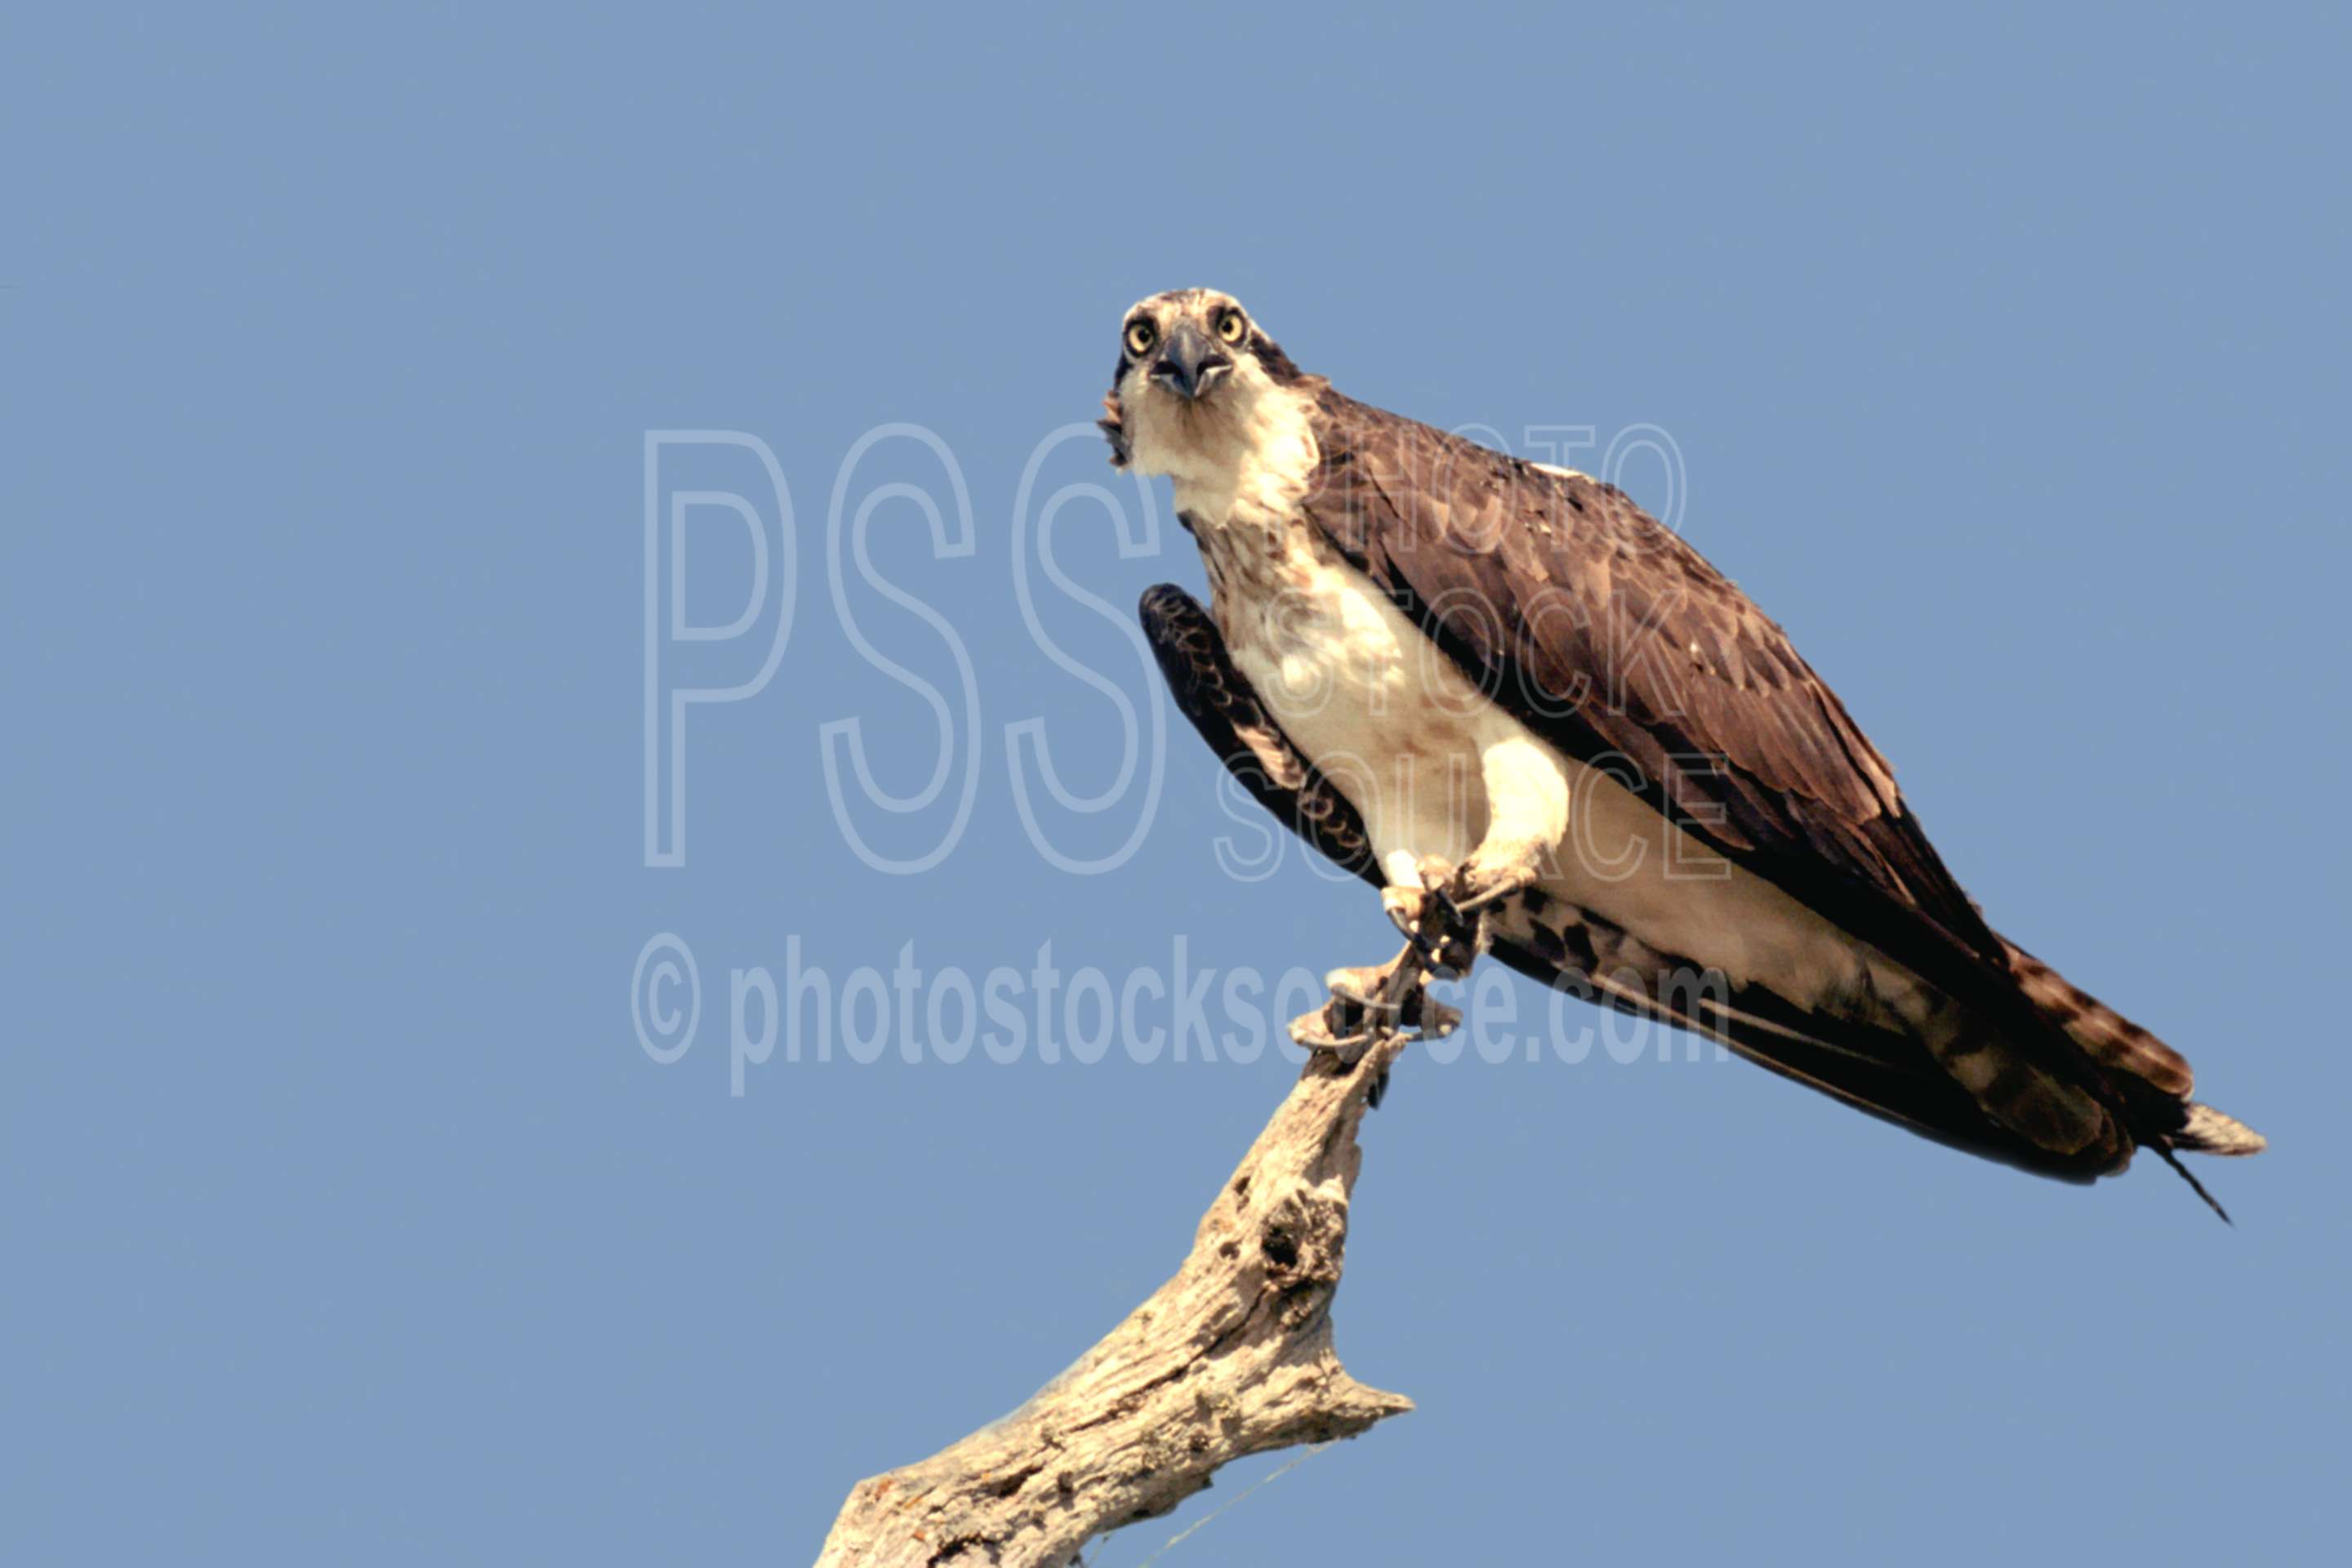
<point x="1609" y="636"/>
<point x="1883" y="1074"/>
<point x="1613" y="638"/>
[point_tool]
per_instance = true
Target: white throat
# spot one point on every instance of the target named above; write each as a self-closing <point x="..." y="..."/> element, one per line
<point x="1244" y="454"/>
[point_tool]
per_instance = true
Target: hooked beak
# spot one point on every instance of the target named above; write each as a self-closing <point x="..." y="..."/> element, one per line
<point x="1189" y="363"/>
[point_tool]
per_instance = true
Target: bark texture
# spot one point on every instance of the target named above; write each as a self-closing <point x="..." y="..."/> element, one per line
<point x="1231" y="1356"/>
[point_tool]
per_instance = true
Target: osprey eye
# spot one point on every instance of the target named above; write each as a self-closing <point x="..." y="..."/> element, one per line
<point x="1141" y="336"/>
<point x="1230" y="326"/>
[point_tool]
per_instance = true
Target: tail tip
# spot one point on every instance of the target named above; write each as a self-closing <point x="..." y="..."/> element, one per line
<point x="2209" y="1132"/>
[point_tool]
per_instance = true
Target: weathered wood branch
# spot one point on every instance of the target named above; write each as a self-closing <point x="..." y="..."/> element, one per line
<point x="1232" y="1356"/>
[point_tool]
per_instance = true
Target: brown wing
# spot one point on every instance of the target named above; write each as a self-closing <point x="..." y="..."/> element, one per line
<point x="1619" y="642"/>
<point x="1886" y="1075"/>
<point x="1217" y="699"/>
<point x="1883" y="1074"/>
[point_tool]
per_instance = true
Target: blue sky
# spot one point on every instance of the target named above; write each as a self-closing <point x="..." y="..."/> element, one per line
<point x="2002" y="358"/>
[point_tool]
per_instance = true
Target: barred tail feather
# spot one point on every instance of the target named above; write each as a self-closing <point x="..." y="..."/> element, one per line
<point x="2113" y="1041"/>
<point x="2155" y="1079"/>
<point x="1976" y="1091"/>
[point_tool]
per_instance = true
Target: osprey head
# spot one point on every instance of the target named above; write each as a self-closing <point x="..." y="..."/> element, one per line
<point x="1190" y="361"/>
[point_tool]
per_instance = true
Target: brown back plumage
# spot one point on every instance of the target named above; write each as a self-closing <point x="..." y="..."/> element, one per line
<point x="1616" y="641"/>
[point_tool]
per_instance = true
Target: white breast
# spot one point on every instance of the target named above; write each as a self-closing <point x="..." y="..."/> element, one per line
<point x="1436" y="768"/>
<point x="1376" y="706"/>
<point x="1432" y="766"/>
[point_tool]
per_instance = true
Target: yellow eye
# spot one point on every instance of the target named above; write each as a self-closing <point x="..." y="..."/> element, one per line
<point x="1230" y="326"/>
<point x="1141" y="336"/>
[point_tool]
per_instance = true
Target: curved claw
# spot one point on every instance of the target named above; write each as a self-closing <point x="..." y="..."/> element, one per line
<point x="1446" y="917"/>
<point x="1404" y="908"/>
<point x="1432" y="921"/>
<point x="1375" y="999"/>
<point x="1313" y="1031"/>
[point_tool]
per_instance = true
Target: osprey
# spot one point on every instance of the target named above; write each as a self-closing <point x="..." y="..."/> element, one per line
<point x="1546" y="728"/>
